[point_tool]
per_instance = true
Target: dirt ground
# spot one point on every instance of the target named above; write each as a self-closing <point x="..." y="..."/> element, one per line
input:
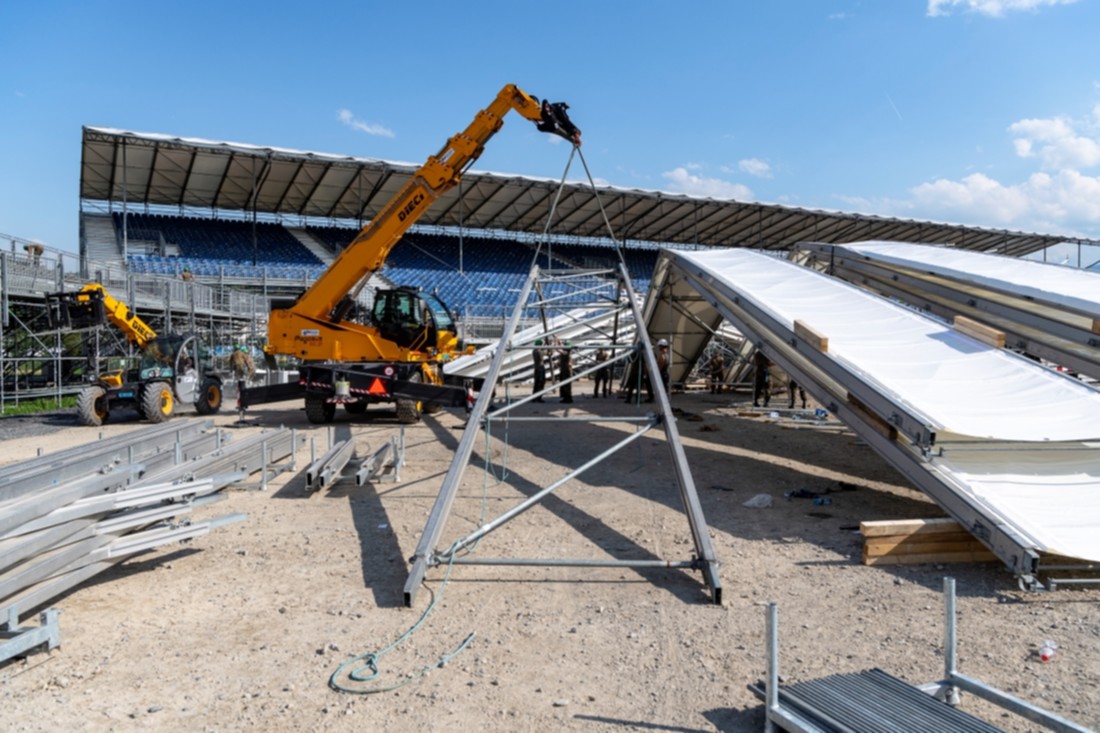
<point x="242" y="628"/>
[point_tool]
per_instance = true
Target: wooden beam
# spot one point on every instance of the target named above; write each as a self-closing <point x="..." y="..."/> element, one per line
<point x="882" y="549"/>
<point x="888" y="431"/>
<point x="909" y="527"/>
<point x="980" y="331"/>
<point x="937" y="557"/>
<point x="810" y="336"/>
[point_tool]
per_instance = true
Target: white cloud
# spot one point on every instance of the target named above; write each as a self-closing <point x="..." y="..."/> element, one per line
<point x="1059" y="196"/>
<point x="1066" y="202"/>
<point x="683" y="181"/>
<point x="349" y="119"/>
<point x="1056" y="142"/>
<point x="755" y="167"/>
<point x="992" y="8"/>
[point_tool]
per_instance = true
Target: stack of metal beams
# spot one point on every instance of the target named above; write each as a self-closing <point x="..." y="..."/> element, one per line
<point x="66" y="516"/>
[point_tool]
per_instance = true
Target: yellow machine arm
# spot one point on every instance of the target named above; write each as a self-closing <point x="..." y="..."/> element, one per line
<point x="83" y="309"/>
<point x="310" y="328"/>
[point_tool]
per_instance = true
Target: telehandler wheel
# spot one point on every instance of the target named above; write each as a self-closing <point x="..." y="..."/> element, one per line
<point x="157" y="403"/>
<point x="210" y="397"/>
<point x="318" y="411"/>
<point x="408" y="411"/>
<point x="91" y="405"/>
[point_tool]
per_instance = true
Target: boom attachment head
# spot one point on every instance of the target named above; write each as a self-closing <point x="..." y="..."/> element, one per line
<point x="555" y="120"/>
<point x="74" y="311"/>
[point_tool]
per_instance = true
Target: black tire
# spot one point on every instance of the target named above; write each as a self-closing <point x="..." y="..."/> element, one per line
<point x="318" y="411"/>
<point x="157" y="402"/>
<point x="91" y="405"/>
<point x="408" y="411"/>
<point x="210" y="397"/>
<point x="355" y="408"/>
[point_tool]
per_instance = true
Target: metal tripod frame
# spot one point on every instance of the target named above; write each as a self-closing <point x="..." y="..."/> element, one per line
<point x="429" y="554"/>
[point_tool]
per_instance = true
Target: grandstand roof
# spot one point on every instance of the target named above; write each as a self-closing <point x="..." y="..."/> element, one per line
<point x="161" y="170"/>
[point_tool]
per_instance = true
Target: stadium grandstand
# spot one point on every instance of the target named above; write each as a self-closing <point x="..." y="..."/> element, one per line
<point x="251" y="215"/>
<point x="204" y="233"/>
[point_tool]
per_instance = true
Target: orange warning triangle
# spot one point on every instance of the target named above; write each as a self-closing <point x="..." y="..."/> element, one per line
<point x="377" y="387"/>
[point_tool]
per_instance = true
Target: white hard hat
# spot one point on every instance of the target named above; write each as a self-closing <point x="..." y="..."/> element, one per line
<point x="662" y="342"/>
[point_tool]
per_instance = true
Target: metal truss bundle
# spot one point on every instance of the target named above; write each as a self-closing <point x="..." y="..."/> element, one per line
<point x="67" y="516"/>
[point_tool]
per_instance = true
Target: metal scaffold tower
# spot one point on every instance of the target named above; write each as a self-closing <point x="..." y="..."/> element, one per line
<point x="605" y="299"/>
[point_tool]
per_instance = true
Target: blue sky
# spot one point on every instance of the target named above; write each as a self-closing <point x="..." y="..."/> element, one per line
<point x="979" y="112"/>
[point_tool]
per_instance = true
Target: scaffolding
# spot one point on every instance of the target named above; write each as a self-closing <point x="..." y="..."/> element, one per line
<point x="40" y="361"/>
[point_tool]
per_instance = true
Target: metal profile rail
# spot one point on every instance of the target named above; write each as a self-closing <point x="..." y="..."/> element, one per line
<point x="270" y="452"/>
<point x="373" y="465"/>
<point x="428" y="554"/>
<point x="326" y="469"/>
<point x="144" y="445"/>
<point x="1056" y="332"/>
<point x="857" y="404"/>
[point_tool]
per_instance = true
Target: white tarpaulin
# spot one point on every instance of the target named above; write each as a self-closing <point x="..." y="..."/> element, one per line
<point x="956" y="383"/>
<point x="1012" y="435"/>
<point x="1066" y="286"/>
<point x="1051" y="496"/>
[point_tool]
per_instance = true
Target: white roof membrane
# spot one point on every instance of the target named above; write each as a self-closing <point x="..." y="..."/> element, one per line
<point x="1056" y="284"/>
<point x="958" y="384"/>
<point x="1016" y="438"/>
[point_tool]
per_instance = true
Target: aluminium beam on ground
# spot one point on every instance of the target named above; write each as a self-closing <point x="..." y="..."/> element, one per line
<point x="427" y="554"/>
<point x="373" y="465"/>
<point x="833" y="387"/>
<point x="148" y="446"/>
<point x="1051" y="331"/>
<point x="102" y="558"/>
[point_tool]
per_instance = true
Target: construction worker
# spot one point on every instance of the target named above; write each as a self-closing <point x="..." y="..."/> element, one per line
<point x="603" y="374"/>
<point x="760" y="380"/>
<point x="715" y="370"/>
<point x="565" y="372"/>
<point x="241" y="364"/>
<point x="662" y="367"/>
<point x="793" y="387"/>
<point x="540" y="370"/>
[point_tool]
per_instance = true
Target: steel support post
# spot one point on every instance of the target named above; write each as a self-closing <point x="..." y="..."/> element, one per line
<point x="950" y="642"/>
<point x="704" y="550"/>
<point x="442" y="508"/>
<point x="25" y="639"/>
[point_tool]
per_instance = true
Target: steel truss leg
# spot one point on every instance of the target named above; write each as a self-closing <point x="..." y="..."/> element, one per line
<point x="427" y="553"/>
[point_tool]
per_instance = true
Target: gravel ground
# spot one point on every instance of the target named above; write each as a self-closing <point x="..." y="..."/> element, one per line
<point x="241" y="629"/>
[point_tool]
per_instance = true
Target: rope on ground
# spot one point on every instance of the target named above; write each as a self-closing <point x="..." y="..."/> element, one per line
<point x="365" y="667"/>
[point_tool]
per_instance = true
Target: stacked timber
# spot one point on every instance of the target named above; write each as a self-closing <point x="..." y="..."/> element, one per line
<point x="916" y="541"/>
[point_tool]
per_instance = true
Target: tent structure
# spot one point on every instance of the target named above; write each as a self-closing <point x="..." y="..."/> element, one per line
<point x="1007" y="447"/>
